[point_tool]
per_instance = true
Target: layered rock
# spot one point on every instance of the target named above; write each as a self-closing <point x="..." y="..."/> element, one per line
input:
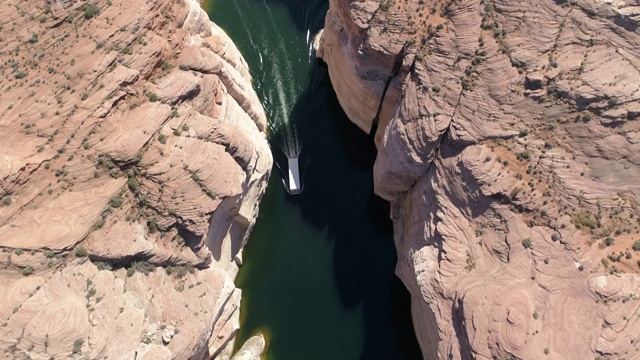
<point x="132" y="161"/>
<point x="510" y="160"/>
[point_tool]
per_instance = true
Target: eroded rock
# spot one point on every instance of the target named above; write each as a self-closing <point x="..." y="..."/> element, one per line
<point x="125" y="176"/>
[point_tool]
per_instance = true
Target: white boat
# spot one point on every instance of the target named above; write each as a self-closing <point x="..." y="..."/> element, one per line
<point x="295" y="187"/>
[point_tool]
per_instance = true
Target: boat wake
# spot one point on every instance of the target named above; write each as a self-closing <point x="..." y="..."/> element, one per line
<point x="284" y="81"/>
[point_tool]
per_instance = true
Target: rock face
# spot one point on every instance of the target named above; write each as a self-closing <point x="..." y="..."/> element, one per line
<point x="132" y="161"/>
<point x="509" y="152"/>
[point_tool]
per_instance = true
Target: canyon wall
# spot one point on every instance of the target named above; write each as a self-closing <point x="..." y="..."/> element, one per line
<point x="132" y="160"/>
<point x="508" y="146"/>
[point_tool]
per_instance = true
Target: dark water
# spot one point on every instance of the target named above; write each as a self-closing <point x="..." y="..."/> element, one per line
<point x="318" y="275"/>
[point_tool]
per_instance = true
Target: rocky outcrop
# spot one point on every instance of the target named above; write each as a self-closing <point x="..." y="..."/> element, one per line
<point x="132" y="161"/>
<point x="510" y="159"/>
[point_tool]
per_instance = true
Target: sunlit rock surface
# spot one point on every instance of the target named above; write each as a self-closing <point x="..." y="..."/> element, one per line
<point x="132" y="162"/>
<point x="508" y="147"/>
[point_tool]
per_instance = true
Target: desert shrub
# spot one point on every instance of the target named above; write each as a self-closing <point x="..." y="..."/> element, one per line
<point x="143" y="266"/>
<point x="133" y="184"/>
<point x="527" y="243"/>
<point x="116" y="201"/>
<point x="524" y="155"/>
<point x="77" y="346"/>
<point x="100" y="223"/>
<point x="103" y="265"/>
<point x="153" y="227"/>
<point x="81" y="251"/>
<point x="169" y="269"/>
<point x="183" y="270"/>
<point x="91" y="10"/>
<point x="27" y="271"/>
<point x="636" y="245"/>
<point x="585" y="219"/>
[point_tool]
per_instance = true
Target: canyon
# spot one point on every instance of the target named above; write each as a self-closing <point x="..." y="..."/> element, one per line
<point x="134" y="157"/>
<point x="132" y="161"/>
<point x="507" y="137"/>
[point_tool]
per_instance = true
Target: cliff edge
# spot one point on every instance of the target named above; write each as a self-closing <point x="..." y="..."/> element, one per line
<point x="132" y="161"/>
<point x="508" y="147"/>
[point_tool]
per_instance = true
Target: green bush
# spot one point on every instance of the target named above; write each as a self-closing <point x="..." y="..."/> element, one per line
<point x="636" y="245"/>
<point x="116" y="202"/>
<point x="77" y="346"/>
<point x="133" y="184"/>
<point x="152" y="97"/>
<point x="91" y="10"/>
<point x="143" y="267"/>
<point x="183" y="270"/>
<point x="524" y="155"/>
<point x="6" y="200"/>
<point x="100" y="223"/>
<point x="162" y="139"/>
<point x="527" y="243"/>
<point x="585" y="219"/>
<point x="153" y="227"/>
<point x="27" y="271"/>
<point x="130" y="272"/>
<point x="169" y="269"/>
<point x="81" y="251"/>
<point x="609" y="241"/>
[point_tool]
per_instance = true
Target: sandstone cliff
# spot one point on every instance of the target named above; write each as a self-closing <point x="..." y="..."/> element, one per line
<point x="132" y="161"/>
<point x="508" y="146"/>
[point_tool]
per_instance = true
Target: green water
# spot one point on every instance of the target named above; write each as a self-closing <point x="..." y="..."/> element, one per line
<point x="318" y="269"/>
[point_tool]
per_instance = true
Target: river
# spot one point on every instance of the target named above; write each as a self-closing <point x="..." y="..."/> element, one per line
<point x="318" y="275"/>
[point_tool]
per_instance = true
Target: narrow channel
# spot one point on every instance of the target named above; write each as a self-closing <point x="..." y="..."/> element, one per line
<point x="318" y="276"/>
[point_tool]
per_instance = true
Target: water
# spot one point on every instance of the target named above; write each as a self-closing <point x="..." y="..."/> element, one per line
<point x="318" y="277"/>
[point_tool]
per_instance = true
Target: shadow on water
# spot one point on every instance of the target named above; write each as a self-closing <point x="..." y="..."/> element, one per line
<point x="339" y="197"/>
<point x="319" y="267"/>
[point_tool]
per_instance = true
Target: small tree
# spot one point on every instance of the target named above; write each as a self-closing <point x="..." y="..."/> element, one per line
<point x="527" y="243"/>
